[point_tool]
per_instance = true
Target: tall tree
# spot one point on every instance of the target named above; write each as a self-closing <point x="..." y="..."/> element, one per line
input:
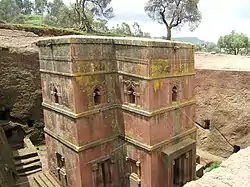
<point x="138" y="31"/>
<point x="100" y="25"/>
<point x="60" y="15"/>
<point x="8" y="10"/>
<point x="234" y="43"/>
<point x="40" y="7"/>
<point x="99" y="8"/>
<point x="25" y="6"/>
<point x="174" y="13"/>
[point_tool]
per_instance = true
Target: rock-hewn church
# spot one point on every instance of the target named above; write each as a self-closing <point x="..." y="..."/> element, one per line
<point x="118" y="112"/>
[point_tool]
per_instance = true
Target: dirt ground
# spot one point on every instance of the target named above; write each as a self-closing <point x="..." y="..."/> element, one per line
<point x="223" y="94"/>
<point x="17" y="39"/>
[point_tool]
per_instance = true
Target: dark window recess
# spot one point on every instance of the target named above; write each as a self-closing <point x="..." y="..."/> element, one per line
<point x="56" y="97"/>
<point x="8" y="133"/>
<point x="236" y="148"/>
<point x="104" y="174"/>
<point x="131" y="166"/>
<point x="131" y="96"/>
<point x="97" y="96"/>
<point x="60" y="160"/>
<point x="174" y="94"/>
<point x="30" y="123"/>
<point x="206" y="124"/>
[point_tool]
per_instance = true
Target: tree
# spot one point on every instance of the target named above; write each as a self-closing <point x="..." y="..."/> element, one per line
<point x="59" y="15"/>
<point x="174" y="13"/>
<point x="25" y="6"/>
<point x="137" y="31"/>
<point x="122" y="29"/>
<point x="40" y="7"/>
<point x="100" y="25"/>
<point x="234" y="43"/>
<point x="99" y="8"/>
<point x="8" y="10"/>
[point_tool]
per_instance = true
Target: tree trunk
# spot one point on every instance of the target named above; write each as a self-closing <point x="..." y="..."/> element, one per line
<point x="169" y="33"/>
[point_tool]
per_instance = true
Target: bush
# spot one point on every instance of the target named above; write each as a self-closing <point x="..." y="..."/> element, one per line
<point x="212" y="167"/>
<point x="34" y="20"/>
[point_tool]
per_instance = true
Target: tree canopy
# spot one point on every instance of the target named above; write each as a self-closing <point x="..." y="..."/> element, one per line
<point x="99" y="8"/>
<point x="234" y="43"/>
<point x="174" y="13"/>
<point x="81" y="15"/>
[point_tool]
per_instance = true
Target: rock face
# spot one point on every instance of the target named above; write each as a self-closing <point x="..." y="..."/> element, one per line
<point x="222" y="98"/>
<point x="234" y="172"/>
<point x="19" y="75"/>
<point x="6" y="163"/>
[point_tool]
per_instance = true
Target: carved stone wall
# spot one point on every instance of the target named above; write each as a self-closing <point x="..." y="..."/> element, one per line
<point x="135" y="117"/>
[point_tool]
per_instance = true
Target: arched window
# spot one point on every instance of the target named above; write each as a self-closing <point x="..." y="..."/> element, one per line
<point x="131" y="96"/>
<point x="97" y="96"/>
<point x="56" y="97"/>
<point x="174" y="94"/>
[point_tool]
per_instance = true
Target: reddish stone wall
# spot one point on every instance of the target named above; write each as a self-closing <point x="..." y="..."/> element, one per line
<point x="72" y="160"/>
<point x="116" y="66"/>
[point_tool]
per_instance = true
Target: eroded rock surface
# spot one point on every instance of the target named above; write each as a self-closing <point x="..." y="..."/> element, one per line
<point x="234" y="172"/>
<point x="19" y="74"/>
<point x="223" y="94"/>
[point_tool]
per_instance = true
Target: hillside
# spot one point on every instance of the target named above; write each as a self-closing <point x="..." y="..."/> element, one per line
<point x="192" y="40"/>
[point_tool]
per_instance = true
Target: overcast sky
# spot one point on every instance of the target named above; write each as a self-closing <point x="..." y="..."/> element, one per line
<point x="219" y="18"/>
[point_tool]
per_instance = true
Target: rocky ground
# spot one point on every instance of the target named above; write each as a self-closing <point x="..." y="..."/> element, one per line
<point x="223" y="94"/>
<point x="234" y="172"/>
<point x="20" y="78"/>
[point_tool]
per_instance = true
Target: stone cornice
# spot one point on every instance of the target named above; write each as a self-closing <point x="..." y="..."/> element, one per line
<point x="128" y="108"/>
<point x="77" y="148"/>
<point x="130" y="140"/>
<point x="118" y="72"/>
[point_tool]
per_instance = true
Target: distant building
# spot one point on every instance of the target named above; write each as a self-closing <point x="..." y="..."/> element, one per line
<point x="119" y="111"/>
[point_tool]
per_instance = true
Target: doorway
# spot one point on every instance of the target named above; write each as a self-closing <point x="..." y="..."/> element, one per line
<point x="182" y="166"/>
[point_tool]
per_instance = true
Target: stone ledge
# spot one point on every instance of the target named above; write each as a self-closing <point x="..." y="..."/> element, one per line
<point x="160" y="144"/>
<point x="99" y="142"/>
<point x="77" y="148"/>
<point x="139" y="111"/>
<point x="133" y="41"/>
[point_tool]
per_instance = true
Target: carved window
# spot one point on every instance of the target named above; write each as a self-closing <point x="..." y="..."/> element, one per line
<point x="131" y="166"/>
<point x="60" y="160"/>
<point x="56" y="97"/>
<point x="103" y="174"/>
<point x="97" y="96"/>
<point x="174" y="94"/>
<point x="131" y="95"/>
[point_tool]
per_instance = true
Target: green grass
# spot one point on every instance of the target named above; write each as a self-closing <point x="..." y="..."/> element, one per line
<point x="212" y="167"/>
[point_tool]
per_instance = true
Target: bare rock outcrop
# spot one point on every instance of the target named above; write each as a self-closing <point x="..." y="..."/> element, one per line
<point x="223" y="94"/>
<point x="234" y="172"/>
<point x="19" y="75"/>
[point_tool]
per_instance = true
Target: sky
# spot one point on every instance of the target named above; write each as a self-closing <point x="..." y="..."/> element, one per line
<point x="220" y="17"/>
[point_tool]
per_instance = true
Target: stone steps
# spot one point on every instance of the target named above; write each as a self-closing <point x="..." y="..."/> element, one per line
<point x="24" y="153"/>
<point x="28" y="167"/>
<point x="30" y="172"/>
<point x="45" y="179"/>
<point x="26" y="161"/>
